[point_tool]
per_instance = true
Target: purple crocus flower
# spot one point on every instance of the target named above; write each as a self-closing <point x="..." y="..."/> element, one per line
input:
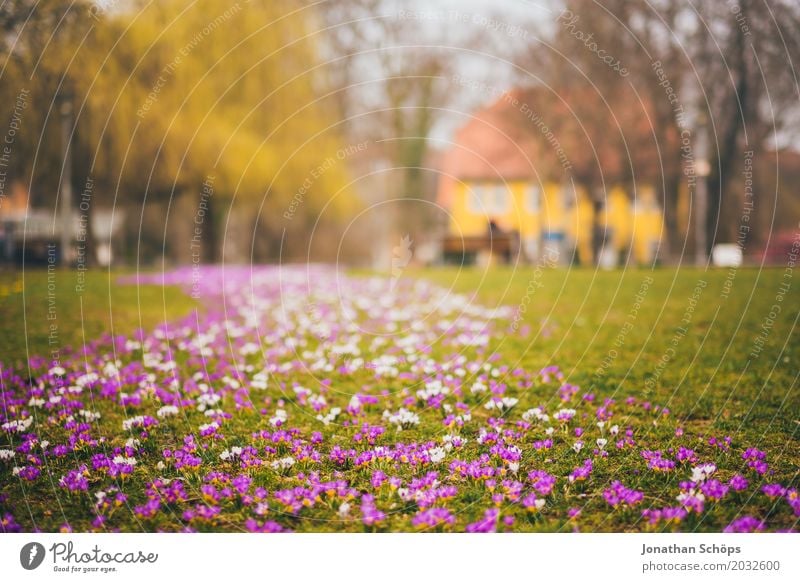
<point x="738" y="483"/>
<point x="617" y="494"/>
<point x="433" y="517"/>
<point x="370" y="515"/>
<point x="487" y="524"/>
<point x="746" y="524"/>
<point x="773" y="490"/>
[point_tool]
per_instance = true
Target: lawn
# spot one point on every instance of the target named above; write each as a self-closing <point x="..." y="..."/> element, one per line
<point x="691" y="345"/>
<point x="101" y="307"/>
<point x="314" y="401"/>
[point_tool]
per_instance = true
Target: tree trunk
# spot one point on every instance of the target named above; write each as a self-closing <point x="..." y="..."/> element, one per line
<point x="598" y="229"/>
<point x="210" y="246"/>
<point x="739" y="109"/>
<point x="673" y="237"/>
<point x="90" y="243"/>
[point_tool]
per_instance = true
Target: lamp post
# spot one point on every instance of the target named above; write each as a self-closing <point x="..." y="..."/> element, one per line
<point x="65" y="206"/>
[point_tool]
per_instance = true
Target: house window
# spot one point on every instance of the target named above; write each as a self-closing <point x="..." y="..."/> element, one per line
<point x="488" y="200"/>
<point x="533" y="195"/>
<point x="475" y="199"/>
<point x="500" y="200"/>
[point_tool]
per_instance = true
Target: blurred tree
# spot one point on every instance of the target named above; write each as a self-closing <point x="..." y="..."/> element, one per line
<point x="33" y="57"/>
<point x="746" y="54"/>
<point x="167" y="94"/>
<point x="392" y="71"/>
<point x="657" y="63"/>
<point x="213" y="88"/>
<point x="731" y="62"/>
<point x="38" y="46"/>
<point x="586" y="95"/>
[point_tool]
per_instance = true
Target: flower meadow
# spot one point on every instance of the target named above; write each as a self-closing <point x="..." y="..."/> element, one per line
<point x="303" y="399"/>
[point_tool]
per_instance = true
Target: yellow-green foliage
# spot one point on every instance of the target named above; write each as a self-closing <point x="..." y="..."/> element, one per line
<point x="217" y="88"/>
<point x="168" y="93"/>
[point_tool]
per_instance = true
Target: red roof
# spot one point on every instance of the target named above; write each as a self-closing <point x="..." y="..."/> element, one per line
<point x="488" y="147"/>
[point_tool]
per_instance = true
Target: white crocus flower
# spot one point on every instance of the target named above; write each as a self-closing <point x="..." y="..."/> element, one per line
<point x="478" y="388"/>
<point x="168" y="410"/>
<point x="703" y="472"/>
<point x="436" y="455"/>
<point x="402" y="418"/>
<point x="280" y="417"/>
<point x="330" y="417"/>
<point x="284" y="463"/>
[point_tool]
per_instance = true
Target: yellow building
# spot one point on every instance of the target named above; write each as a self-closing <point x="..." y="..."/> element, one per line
<point x="500" y="205"/>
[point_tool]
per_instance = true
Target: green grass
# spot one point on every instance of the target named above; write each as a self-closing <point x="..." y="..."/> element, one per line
<point x="715" y="381"/>
<point x="684" y="340"/>
<point x="579" y="319"/>
<point x="699" y="360"/>
<point x="32" y="301"/>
